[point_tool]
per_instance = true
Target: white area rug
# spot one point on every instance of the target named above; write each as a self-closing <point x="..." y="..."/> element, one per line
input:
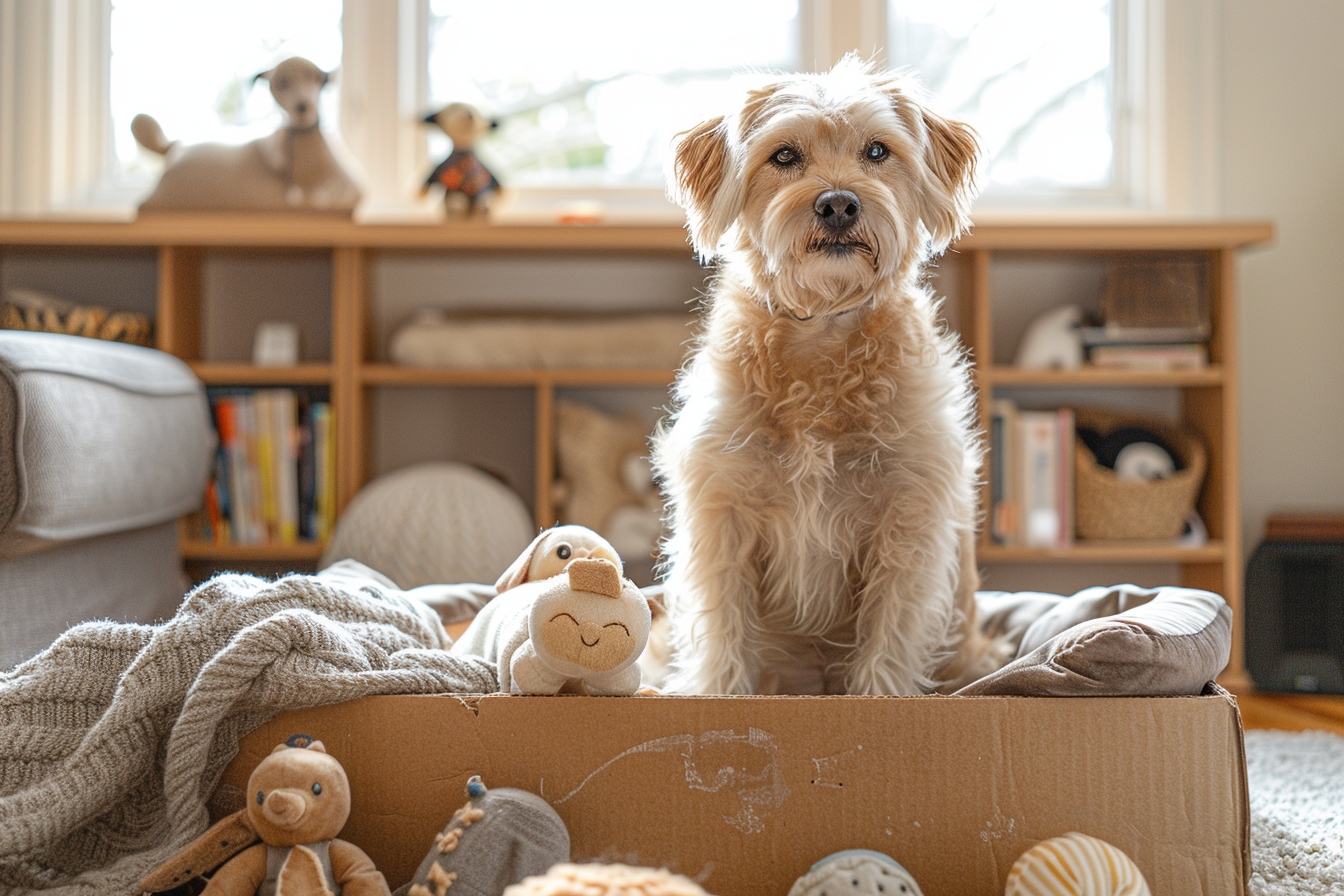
<point x="1297" y="812"/>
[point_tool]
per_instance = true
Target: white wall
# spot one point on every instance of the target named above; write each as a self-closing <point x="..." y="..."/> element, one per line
<point x="1282" y="114"/>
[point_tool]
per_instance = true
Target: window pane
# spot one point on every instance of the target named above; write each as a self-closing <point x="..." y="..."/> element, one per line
<point x="1035" y="78"/>
<point x="591" y="91"/>
<point x="190" y="64"/>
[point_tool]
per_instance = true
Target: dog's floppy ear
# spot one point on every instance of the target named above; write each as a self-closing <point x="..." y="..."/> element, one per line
<point x="952" y="155"/>
<point x="516" y="574"/>
<point x="263" y="76"/>
<point x="950" y="152"/>
<point x="704" y="183"/>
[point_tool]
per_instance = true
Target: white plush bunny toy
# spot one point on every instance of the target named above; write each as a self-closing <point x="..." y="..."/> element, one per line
<point x="565" y="619"/>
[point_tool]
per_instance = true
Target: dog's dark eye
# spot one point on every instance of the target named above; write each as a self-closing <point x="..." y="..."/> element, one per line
<point x="786" y="157"/>
<point x="563" y="552"/>
<point x="876" y="152"/>
<point x="317" y="789"/>
<point x="261" y="797"/>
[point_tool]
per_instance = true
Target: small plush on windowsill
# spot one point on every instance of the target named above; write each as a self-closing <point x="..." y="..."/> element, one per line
<point x="468" y="185"/>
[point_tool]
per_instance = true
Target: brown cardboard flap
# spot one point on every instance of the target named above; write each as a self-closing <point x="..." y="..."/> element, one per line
<point x="745" y="793"/>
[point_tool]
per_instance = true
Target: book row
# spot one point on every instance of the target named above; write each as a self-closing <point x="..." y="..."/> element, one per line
<point x="274" y="479"/>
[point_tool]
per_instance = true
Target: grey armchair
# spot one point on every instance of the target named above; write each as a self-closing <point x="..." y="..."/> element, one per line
<point x="102" y="447"/>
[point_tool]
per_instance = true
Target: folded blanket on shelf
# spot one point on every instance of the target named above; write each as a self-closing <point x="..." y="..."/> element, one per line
<point x="112" y="739"/>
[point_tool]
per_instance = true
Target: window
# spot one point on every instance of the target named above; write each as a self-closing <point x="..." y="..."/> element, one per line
<point x="588" y="92"/>
<point x="1043" y="81"/>
<point x="592" y="91"/>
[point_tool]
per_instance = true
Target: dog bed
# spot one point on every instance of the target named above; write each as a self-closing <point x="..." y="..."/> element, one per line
<point x="1119" y="641"/>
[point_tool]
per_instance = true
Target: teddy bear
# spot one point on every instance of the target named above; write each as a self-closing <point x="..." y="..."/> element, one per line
<point x="298" y="801"/>
<point x="582" y="628"/>
<point x="293" y="169"/>
<point x="466" y="182"/>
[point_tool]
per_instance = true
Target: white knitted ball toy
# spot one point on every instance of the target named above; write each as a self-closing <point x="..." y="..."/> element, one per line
<point x="432" y="523"/>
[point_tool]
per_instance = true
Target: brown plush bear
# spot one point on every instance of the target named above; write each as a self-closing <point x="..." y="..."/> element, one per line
<point x="298" y="801"/>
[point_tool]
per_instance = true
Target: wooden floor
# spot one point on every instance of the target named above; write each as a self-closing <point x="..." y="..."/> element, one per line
<point x="1291" y="712"/>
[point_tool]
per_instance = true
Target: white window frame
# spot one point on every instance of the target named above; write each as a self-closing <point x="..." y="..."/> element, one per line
<point x="56" y="150"/>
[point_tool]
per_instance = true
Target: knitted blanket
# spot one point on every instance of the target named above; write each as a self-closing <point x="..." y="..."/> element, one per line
<point x="112" y="739"/>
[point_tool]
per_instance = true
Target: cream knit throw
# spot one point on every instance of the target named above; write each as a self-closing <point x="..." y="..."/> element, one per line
<point x="112" y="739"/>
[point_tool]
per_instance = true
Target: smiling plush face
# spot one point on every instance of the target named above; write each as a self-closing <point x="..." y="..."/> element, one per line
<point x="298" y="795"/>
<point x="590" y="620"/>
<point x="836" y="184"/>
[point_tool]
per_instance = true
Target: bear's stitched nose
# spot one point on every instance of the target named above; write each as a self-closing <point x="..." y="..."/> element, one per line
<point x="838" y="209"/>
<point x="283" y="808"/>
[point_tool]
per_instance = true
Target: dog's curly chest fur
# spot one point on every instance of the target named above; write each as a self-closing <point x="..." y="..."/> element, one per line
<point x="837" y="379"/>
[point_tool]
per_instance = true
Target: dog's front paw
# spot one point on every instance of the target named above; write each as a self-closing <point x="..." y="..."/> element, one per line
<point x="702" y="682"/>
<point x="874" y="680"/>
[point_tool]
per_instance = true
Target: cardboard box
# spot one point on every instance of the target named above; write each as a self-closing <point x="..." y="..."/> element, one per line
<point x="745" y="793"/>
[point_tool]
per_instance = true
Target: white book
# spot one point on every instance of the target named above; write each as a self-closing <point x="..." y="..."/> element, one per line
<point x="1039" y="460"/>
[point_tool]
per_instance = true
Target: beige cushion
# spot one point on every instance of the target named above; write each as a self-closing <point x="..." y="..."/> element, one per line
<point x="1113" y="641"/>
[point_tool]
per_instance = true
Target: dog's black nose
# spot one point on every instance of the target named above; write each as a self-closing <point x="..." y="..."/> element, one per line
<point x="838" y="209"/>
<point x="301" y="108"/>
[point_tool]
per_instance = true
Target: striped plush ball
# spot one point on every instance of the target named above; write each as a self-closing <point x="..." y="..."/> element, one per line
<point x="1075" y="865"/>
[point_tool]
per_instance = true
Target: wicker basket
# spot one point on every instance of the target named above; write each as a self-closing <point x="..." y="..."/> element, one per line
<point x="1108" y="507"/>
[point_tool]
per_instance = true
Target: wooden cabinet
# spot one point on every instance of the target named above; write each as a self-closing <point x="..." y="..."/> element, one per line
<point x="216" y="277"/>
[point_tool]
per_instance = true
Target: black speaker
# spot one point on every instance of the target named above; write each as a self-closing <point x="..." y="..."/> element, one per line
<point x="1294" y="617"/>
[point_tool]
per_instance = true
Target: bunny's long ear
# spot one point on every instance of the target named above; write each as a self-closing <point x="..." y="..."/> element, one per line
<point x="704" y="183"/>
<point x="517" y="574"/>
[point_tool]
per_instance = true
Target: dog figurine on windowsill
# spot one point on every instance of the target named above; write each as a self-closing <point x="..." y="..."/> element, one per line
<point x="292" y="170"/>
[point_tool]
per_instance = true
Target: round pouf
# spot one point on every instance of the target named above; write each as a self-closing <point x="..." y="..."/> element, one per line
<point x="430" y="523"/>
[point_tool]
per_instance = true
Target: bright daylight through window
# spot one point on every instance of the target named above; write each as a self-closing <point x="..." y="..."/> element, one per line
<point x="589" y="93"/>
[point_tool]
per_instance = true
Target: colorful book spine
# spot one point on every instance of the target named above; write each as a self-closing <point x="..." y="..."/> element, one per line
<point x="274" y="476"/>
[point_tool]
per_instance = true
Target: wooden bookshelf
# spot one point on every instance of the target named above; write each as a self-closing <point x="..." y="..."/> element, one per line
<point x="183" y="246"/>
<point x="292" y="552"/>
<point x="226" y="374"/>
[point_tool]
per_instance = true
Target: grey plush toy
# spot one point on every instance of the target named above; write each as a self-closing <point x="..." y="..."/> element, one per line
<point x="565" y="619"/>
<point x="498" y="838"/>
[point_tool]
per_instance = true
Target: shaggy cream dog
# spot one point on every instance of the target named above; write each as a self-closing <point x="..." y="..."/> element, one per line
<point x="821" y="465"/>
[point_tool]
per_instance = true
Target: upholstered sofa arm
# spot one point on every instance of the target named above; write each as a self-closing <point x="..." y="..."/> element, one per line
<point x="96" y="438"/>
